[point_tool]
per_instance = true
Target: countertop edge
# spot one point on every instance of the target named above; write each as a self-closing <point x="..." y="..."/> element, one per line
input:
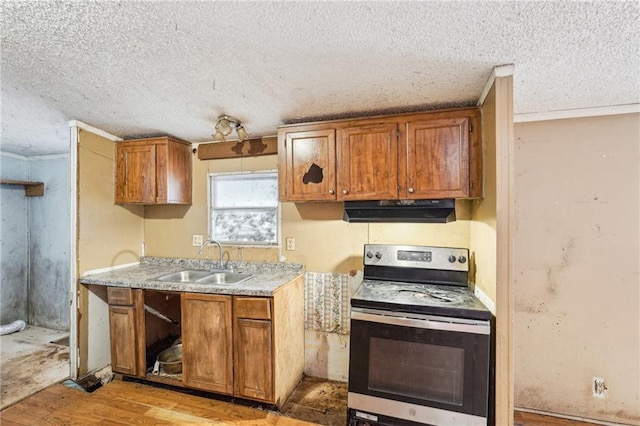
<point x="144" y="277"/>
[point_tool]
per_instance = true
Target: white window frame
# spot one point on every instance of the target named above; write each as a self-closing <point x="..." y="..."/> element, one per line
<point x="210" y="228"/>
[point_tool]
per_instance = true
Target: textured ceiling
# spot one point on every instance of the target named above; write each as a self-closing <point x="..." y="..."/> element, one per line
<point x="145" y="68"/>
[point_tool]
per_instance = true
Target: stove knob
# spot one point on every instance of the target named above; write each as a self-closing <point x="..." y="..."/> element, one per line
<point x="378" y="255"/>
<point x="452" y="259"/>
<point x="369" y="255"/>
<point x="462" y="259"/>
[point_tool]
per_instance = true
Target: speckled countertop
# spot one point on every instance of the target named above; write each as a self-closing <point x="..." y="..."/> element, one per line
<point x="266" y="279"/>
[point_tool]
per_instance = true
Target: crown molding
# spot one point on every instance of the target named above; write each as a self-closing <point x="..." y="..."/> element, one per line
<point x="577" y="113"/>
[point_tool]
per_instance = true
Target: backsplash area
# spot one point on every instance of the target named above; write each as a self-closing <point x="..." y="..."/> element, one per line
<point x="326" y="308"/>
<point x="326" y="302"/>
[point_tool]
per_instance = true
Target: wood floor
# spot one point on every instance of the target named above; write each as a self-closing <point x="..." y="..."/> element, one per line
<point x="128" y="403"/>
<point x="31" y="360"/>
<point x="531" y="419"/>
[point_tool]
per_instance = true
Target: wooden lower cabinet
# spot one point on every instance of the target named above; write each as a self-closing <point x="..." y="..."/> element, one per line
<point x="253" y="359"/>
<point x="253" y="346"/>
<point x="207" y="357"/>
<point x="123" y="339"/>
<point x="245" y="346"/>
<point x="127" y="348"/>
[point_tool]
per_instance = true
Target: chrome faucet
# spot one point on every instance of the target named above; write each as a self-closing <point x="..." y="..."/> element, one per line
<point x="209" y="242"/>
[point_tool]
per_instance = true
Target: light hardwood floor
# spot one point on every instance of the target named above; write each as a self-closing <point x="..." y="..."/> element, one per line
<point x="128" y="403"/>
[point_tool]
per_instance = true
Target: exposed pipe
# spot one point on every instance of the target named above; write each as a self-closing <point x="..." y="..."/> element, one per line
<point x="17" y="325"/>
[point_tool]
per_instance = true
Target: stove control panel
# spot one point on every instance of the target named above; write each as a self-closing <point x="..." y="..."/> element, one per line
<point x="423" y="257"/>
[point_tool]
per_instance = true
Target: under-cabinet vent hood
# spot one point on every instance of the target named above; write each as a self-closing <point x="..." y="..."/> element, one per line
<point x="408" y="211"/>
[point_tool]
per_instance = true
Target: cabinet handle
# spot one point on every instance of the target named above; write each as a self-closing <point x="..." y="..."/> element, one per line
<point x="410" y="190"/>
<point x="331" y="191"/>
<point x="345" y="191"/>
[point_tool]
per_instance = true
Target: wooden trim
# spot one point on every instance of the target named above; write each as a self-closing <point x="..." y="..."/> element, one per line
<point x="288" y="339"/>
<point x="31" y="189"/>
<point x="499" y="71"/>
<point x="392" y="118"/>
<point x="504" y="255"/>
<point x="94" y="130"/>
<point x="141" y="338"/>
<point x="74" y="290"/>
<point x="235" y="149"/>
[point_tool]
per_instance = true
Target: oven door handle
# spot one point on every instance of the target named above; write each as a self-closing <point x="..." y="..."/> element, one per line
<point x="481" y="327"/>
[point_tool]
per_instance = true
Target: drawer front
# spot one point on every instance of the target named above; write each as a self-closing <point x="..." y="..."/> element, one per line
<point x="119" y="296"/>
<point x="252" y="307"/>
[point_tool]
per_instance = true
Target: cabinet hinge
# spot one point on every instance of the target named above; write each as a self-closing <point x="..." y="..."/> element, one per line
<point x="397" y="134"/>
<point x="470" y="185"/>
<point x="470" y="128"/>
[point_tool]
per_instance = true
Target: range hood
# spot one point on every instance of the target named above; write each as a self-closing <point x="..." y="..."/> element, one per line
<point x="401" y="211"/>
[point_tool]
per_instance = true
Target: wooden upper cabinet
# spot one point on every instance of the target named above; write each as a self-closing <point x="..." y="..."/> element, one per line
<point x="207" y="344"/>
<point x="307" y="165"/>
<point x="367" y="162"/>
<point x="153" y="171"/>
<point x="429" y="155"/>
<point x="437" y="160"/>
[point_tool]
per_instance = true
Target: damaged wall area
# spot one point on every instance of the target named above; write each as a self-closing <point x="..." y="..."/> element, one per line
<point x="14" y="254"/>
<point x="577" y="298"/>
<point x="49" y="245"/>
<point x="35" y="243"/>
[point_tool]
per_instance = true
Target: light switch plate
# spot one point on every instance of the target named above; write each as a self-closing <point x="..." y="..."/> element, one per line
<point x="197" y="240"/>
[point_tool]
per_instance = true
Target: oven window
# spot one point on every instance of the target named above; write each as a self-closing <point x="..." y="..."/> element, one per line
<point x="418" y="370"/>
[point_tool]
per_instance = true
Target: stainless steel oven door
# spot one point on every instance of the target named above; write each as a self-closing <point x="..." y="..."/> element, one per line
<point x="419" y="368"/>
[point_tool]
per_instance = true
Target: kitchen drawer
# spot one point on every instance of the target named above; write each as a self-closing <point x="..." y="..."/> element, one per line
<point x="252" y="307"/>
<point x="119" y="296"/>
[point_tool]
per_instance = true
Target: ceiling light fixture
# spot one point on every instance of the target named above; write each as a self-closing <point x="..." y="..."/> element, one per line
<point x="225" y="126"/>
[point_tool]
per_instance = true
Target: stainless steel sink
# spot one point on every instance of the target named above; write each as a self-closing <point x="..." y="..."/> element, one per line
<point x="205" y="277"/>
<point x="224" y="278"/>
<point x="187" y="276"/>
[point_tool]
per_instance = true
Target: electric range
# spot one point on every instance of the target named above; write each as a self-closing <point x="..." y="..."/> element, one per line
<point x="420" y="340"/>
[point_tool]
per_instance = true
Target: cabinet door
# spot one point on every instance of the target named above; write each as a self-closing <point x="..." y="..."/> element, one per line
<point x="437" y="159"/>
<point x="135" y="173"/>
<point x="122" y="330"/>
<point x="207" y="357"/>
<point x="253" y="359"/>
<point x="174" y="171"/>
<point x="309" y="165"/>
<point x="367" y="162"/>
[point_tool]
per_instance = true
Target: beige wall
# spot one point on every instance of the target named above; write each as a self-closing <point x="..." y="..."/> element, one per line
<point x="324" y="242"/>
<point x="98" y="245"/>
<point x="482" y="231"/>
<point x="577" y="292"/>
<point x="107" y="235"/>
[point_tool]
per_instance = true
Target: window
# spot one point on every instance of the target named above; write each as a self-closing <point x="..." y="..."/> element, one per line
<point x="243" y="208"/>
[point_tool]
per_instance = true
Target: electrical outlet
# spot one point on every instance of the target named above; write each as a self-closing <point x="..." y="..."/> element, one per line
<point x="599" y="387"/>
<point x="291" y="243"/>
<point x="197" y="240"/>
